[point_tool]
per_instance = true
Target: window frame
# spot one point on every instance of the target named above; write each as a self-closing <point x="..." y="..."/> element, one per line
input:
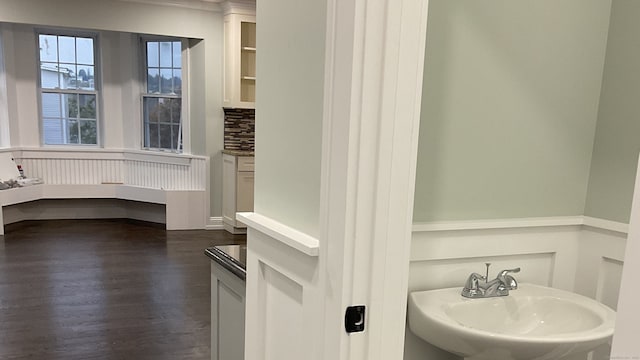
<point x="97" y="86"/>
<point x="184" y="147"/>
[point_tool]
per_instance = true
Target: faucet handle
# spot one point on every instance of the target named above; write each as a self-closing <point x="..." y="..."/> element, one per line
<point x="471" y="288"/>
<point x="472" y="281"/>
<point x="508" y="281"/>
<point x="505" y="272"/>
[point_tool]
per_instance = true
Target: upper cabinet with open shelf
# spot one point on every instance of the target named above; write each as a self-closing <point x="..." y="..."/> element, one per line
<point x="240" y="55"/>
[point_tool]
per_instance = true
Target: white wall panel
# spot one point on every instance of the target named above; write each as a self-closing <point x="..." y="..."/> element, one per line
<point x="92" y="167"/>
<point x="610" y="274"/>
<point x="545" y="254"/>
<point x="600" y="252"/>
<point x="435" y="274"/>
<point x="74" y="171"/>
<point x="282" y="301"/>
<point x="281" y="315"/>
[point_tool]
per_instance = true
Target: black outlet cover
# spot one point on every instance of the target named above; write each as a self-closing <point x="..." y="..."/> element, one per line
<point x="354" y="319"/>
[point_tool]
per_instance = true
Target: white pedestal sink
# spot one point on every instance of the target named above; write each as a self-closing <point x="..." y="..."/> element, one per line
<point x="532" y="323"/>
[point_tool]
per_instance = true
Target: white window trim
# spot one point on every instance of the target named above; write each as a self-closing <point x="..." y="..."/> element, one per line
<point x="97" y="83"/>
<point x="184" y="113"/>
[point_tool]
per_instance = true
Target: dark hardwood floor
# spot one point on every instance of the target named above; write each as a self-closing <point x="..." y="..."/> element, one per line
<point x="105" y="289"/>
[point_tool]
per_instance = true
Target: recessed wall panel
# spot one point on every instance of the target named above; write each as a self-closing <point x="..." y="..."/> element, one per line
<point x="282" y="315"/>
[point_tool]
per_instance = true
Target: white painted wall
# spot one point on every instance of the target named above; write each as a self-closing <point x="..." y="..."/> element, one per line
<point x="4" y="109"/>
<point x="22" y="78"/>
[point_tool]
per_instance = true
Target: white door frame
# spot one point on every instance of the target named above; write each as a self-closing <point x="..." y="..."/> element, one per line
<point x="373" y="87"/>
<point x="625" y="338"/>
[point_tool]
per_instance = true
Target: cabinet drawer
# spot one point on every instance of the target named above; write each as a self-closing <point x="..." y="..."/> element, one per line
<point x="246" y="163"/>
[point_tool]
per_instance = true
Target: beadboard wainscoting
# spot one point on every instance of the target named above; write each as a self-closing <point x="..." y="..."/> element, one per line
<point x="579" y="254"/>
<point x="135" y="168"/>
<point x="161" y="187"/>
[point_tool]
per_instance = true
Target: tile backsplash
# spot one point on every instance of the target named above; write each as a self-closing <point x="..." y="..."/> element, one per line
<point x="239" y="129"/>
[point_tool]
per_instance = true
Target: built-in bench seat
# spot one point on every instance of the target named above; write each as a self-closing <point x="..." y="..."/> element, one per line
<point x="184" y="208"/>
<point x="178" y="183"/>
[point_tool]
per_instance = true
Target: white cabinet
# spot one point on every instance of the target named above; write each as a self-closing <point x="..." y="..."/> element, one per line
<point x="237" y="190"/>
<point x="228" y="292"/>
<point x="240" y="56"/>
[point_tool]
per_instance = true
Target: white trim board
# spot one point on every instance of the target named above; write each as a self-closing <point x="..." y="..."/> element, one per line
<point x="521" y="223"/>
<point x="281" y="232"/>
<point x="606" y="224"/>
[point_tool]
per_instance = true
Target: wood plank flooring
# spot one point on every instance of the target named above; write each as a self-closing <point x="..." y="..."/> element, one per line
<point x="105" y="289"/>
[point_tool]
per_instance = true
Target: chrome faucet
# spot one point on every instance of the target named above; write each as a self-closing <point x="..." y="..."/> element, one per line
<point x="477" y="285"/>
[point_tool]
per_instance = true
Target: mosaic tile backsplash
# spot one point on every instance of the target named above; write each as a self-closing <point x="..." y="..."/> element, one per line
<point x="239" y="129"/>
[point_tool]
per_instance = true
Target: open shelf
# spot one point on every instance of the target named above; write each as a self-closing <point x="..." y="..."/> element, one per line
<point x="240" y="60"/>
<point x="248" y="61"/>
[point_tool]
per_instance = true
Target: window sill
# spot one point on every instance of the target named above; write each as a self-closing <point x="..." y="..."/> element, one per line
<point x="90" y="153"/>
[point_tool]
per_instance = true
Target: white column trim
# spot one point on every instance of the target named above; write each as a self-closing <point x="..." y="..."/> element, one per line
<point x="625" y="340"/>
<point x="374" y="62"/>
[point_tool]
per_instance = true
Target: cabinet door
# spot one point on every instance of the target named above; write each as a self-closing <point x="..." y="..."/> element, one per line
<point x="227" y="314"/>
<point x="229" y="189"/>
<point x="245" y="191"/>
<point x="239" y="60"/>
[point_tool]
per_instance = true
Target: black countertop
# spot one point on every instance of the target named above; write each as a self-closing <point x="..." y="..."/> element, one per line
<point x="231" y="257"/>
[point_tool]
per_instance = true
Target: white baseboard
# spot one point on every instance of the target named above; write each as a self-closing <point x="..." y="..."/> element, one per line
<point x="214" y="223"/>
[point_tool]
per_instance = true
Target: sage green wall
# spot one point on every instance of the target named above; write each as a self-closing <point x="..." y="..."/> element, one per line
<point x="289" y="102"/>
<point x="509" y="107"/>
<point x="617" y="143"/>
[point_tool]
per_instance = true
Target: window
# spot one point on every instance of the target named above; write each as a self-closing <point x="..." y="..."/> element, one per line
<point x="162" y="100"/>
<point x="68" y="89"/>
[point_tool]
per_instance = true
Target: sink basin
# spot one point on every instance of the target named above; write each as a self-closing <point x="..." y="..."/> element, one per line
<point x="532" y="323"/>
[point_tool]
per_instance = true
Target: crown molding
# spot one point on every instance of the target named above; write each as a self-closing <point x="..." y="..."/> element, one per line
<point x="239" y="7"/>
<point x="203" y="5"/>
